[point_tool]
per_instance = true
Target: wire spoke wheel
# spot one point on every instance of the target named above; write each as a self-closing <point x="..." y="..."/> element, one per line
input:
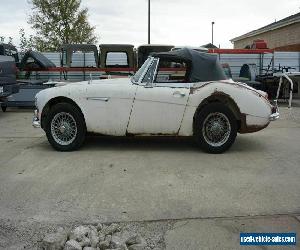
<point x="63" y="128"/>
<point x="216" y="129"/>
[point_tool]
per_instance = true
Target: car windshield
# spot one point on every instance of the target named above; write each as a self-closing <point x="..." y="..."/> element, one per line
<point x="139" y="73"/>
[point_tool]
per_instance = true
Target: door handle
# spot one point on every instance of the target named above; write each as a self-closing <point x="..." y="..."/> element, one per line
<point x="178" y="94"/>
<point x="103" y="99"/>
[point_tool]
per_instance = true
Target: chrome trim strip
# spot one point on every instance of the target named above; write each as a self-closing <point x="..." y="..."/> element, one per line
<point x="103" y="99"/>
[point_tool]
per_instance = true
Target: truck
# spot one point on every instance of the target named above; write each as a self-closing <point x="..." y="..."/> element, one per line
<point x="8" y="81"/>
<point x="16" y="90"/>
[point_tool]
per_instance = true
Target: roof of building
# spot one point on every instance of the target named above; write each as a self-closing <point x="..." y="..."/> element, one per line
<point x="276" y="25"/>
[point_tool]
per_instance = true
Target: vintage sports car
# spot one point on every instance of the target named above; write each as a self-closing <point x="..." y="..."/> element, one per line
<point x="178" y="93"/>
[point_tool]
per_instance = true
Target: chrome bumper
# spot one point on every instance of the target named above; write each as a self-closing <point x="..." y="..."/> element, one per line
<point x="274" y="116"/>
<point x="275" y="112"/>
<point x="35" y="120"/>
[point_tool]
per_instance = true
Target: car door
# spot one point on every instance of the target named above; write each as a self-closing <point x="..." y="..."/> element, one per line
<point x="108" y="105"/>
<point x="159" y="105"/>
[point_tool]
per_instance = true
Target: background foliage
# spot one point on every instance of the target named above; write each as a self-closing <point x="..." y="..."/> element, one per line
<point x="57" y="22"/>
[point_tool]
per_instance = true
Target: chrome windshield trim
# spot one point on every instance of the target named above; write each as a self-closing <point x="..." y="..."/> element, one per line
<point x="144" y="72"/>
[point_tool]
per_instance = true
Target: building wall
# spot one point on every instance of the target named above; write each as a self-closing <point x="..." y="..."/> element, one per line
<point x="285" y="38"/>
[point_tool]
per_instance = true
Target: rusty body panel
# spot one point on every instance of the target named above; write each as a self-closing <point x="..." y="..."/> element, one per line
<point x="245" y="128"/>
<point x="250" y="107"/>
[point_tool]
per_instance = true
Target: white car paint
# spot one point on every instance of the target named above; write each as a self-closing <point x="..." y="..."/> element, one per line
<point x="158" y="110"/>
<point x="108" y="105"/>
<point x="120" y="106"/>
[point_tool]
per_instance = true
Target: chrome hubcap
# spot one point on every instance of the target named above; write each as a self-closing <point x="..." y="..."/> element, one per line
<point x="216" y="129"/>
<point x="63" y="128"/>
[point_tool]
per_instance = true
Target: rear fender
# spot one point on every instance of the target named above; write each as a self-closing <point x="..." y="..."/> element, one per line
<point x="251" y="109"/>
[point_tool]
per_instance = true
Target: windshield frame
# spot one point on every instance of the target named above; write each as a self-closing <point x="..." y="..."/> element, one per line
<point x="144" y="70"/>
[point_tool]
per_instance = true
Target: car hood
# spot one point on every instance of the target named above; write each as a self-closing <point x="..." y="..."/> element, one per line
<point x="73" y="89"/>
<point x="104" y="81"/>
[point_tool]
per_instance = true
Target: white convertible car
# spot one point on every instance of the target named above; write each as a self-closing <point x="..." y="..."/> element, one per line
<point x="179" y="93"/>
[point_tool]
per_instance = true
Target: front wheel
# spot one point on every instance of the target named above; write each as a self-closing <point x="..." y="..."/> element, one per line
<point x="215" y="128"/>
<point x="65" y="127"/>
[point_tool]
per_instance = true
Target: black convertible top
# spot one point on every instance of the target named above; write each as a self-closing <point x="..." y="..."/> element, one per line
<point x="204" y="66"/>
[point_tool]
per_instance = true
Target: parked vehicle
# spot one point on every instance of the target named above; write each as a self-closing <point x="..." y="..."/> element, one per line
<point x="19" y="90"/>
<point x="9" y="50"/>
<point x="178" y="93"/>
<point x="68" y="50"/>
<point x="119" y="60"/>
<point x="200" y="49"/>
<point x="146" y="50"/>
<point x="8" y="82"/>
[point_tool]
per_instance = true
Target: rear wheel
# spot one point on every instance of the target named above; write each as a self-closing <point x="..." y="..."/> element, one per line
<point x="65" y="127"/>
<point x="215" y="128"/>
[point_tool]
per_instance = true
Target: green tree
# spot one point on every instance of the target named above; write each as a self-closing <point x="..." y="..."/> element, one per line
<point x="26" y="43"/>
<point x="4" y="40"/>
<point x="57" y="22"/>
<point x="10" y="40"/>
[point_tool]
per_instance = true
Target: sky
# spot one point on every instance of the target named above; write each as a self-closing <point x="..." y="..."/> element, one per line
<point x="176" y="22"/>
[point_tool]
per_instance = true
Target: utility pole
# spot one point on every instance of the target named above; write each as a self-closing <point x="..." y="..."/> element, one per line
<point x="212" y="32"/>
<point x="149" y="21"/>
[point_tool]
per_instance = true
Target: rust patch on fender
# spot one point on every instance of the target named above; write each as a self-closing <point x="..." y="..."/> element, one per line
<point x="194" y="89"/>
<point x="220" y="93"/>
<point x="150" y="134"/>
<point x="244" y="128"/>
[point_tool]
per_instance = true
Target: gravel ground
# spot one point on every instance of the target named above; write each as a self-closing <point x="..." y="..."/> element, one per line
<point x="28" y="235"/>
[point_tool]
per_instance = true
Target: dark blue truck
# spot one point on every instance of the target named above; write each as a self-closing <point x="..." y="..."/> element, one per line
<point x="8" y="72"/>
<point x="21" y="92"/>
<point x="8" y="81"/>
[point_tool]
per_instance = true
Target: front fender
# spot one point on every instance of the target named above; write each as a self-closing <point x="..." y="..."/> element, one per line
<point x="44" y="97"/>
